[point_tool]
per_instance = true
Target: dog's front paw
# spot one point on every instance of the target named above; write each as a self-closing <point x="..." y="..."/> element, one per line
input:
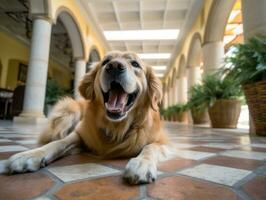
<point x="140" y="171"/>
<point x="27" y="161"/>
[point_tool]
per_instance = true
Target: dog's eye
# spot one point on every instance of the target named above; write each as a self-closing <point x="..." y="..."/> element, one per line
<point x="107" y="60"/>
<point x="135" y="64"/>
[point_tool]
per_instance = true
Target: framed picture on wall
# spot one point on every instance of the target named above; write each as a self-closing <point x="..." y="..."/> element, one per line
<point x="22" y="72"/>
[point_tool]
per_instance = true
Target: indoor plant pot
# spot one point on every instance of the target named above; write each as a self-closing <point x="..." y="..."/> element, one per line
<point x="197" y="105"/>
<point x="182" y="117"/>
<point x="256" y="99"/>
<point x="247" y="66"/>
<point x="222" y="98"/>
<point x="53" y="93"/>
<point x="224" y="113"/>
<point x="200" y="117"/>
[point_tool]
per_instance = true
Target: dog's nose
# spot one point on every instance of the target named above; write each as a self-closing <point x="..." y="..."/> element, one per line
<point x="115" y="67"/>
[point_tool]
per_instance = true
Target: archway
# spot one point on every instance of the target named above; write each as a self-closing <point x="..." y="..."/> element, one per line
<point x="71" y="47"/>
<point x="219" y="13"/>
<point x="195" y="61"/>
<point x="213" y="47"/>
<point x="182" y="80"/>
<point x="174" y="87"/>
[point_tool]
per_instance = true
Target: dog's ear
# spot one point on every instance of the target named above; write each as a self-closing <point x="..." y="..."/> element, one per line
<point x="154" y="88"/>
<point x="86" y="86"/>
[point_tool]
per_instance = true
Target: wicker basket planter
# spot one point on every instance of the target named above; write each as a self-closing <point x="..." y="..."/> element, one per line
<point x="225" y="113"/>
<point x="182" y="117"/>
<point x="200" y="117"/>
<point x="256" y="99"/>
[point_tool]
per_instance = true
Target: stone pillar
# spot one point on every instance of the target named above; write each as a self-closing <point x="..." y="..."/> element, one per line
<point x="254" y="17"/>
<point x="169" y="97"/>
<point x="175" y="92"/>
<point x="213" y="55"/>
<point x="194" y="76"/>
<point x="37" y="73"/>
<point x="165" y="100"/>
<point x="254" y="22"/>
<point x="172" y="96"/>
<point x="80" y="71"/>
<point x="182" y="83"/>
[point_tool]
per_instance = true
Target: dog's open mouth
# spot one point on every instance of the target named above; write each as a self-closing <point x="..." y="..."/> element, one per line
<point x="117" y="102"/>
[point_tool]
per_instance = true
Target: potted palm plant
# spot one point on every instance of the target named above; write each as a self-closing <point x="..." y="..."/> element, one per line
<point x="180" y="112"/>
<point x="197" y="105"/>
<point x="247" y="66"/>
<point x="222" y="95"/>
<point x="53" y="93"/>
<point x="176" y="112"/>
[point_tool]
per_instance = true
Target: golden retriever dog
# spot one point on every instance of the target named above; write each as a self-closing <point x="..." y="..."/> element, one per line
<point x="118" y="118"/>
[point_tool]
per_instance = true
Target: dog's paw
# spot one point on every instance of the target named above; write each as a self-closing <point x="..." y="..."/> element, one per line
<point x="140" y="171"/>
<point x="27" y="161"/>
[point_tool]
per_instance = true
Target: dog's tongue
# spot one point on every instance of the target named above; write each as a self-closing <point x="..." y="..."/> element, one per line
<point x="117" y="101"/>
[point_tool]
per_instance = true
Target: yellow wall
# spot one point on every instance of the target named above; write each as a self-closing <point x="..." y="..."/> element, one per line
<point x="10" y="48"/>
<point x="13" y="52"/>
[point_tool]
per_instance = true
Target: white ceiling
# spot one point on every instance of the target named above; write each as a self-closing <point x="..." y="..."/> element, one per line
<point x="140" y="15"/>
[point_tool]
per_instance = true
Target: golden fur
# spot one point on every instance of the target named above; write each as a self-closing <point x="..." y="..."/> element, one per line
<point x="127" y="137"/>
<point x="136" y="132"/>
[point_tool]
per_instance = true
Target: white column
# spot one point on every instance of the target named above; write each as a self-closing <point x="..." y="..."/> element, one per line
<point x="254" y="17"/>
<point x="165" y="99"/>
<point x="37" y="73"/>
<point x="169" y="97"/>
<point x="194" y="76"/>
<point x="80" y="71"/>
<point x="172" y="96"/>
<point x="175" y="92"/>
<point x="182" y="89"/>
<point x="213" y="56"/>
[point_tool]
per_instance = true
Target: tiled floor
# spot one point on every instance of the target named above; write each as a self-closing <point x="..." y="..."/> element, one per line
<point x="211" y="164"/>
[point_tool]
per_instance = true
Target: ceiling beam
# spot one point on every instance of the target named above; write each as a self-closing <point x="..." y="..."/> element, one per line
<point x="118" y="21"/>
<point x="163" y="25"/>
<point x="141" y="23"/>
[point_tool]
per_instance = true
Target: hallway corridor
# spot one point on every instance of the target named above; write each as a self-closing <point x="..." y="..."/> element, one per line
<point x="211" y="164"/>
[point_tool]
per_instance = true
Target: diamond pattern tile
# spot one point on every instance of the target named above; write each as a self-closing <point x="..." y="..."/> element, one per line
<point x="82" y="171"/>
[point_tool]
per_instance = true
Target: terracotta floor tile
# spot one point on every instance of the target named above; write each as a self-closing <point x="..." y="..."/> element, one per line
<point x="175" y="164"/>
<point x="207" y="149"/>
<point x="239" y="163"/>
<point x="256" y="188"/>
<point x="6" y="155"/>
<point x="23" y="186"/>
<point x="177" y="188"/>
<point x="101" y="189"/>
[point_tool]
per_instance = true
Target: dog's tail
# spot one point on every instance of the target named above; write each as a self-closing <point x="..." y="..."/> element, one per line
<point x="62" y="120"/>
